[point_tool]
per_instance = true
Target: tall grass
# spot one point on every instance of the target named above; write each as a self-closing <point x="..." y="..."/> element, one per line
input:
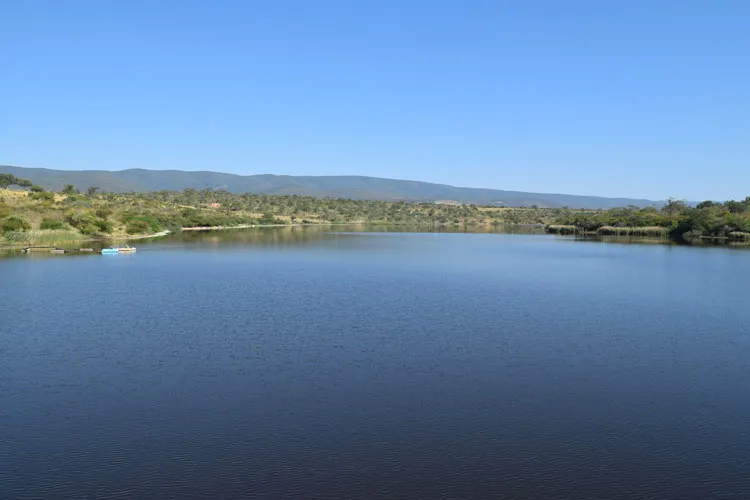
<point x="43" y="237"/>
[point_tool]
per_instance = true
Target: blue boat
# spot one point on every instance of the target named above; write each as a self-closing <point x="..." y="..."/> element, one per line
<point x="110" y="251"/>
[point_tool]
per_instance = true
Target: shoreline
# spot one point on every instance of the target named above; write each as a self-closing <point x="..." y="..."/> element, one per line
<point x="21" y="246"/>
<point x="640" y="238"/>
<point x="248" y="226"/>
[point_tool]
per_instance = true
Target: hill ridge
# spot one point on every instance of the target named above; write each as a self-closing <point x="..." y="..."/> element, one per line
<point x="333" y="186"/>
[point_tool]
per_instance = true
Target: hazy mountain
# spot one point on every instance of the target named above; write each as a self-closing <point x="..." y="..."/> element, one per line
<point x="345" y="186"/>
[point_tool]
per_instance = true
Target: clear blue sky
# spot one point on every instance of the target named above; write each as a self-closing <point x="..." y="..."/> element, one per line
<point x="639" y="98"/>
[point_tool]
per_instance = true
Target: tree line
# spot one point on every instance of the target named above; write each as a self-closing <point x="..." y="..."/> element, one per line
<point x="708" y="219"/>
<point x="96" y="213"/>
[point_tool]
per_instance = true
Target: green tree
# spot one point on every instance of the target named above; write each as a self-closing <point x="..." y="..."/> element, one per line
<point x="70" y="189"/>
<point x="14" y="223"/>
<point x="91" y="191"/>
<point x="675" y="207"/>
<point x="736" y="207"/>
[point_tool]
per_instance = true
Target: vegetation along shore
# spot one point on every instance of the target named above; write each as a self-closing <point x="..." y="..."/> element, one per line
<point x="30" y="215"/>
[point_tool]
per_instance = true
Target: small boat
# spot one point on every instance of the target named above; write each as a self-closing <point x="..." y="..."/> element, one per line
<point x="57" y="250"/>
<point x="118" y="250"/>
<point x="85" y="250"/>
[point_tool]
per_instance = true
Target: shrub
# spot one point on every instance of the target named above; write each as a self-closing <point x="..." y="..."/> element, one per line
<point x="14" y="224"/>
<point x="137" y="226"/>
<point x="51" y="224"/>
<point x="104" y="225"/>
<point x="87" y="223"/>
<point x="150" y="223"/>
<point x="103" y="212"/>
<point x="42" y="196"/>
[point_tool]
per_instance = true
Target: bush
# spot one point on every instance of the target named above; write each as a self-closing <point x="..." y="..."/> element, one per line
<point x="139" y="222"/>
<point x="89" y="224"/>
<point x="137" y="226"/>
<point x="51" y="224"/>
<point x="103" y="212"/>
<point x="14" y="224"/>
<point x="104" y="225"/>
<point x="42" y="196"/>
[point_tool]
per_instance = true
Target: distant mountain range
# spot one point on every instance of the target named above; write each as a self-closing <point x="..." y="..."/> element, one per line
<point x="345" y="186"/>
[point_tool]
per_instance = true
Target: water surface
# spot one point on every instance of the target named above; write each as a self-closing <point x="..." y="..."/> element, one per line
<point x="300" y="364"/>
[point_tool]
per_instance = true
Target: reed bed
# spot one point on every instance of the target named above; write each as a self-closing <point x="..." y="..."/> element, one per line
<point x="44" y="237"/>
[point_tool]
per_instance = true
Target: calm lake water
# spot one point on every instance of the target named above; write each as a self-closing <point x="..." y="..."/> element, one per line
<point x="299" y="364"/>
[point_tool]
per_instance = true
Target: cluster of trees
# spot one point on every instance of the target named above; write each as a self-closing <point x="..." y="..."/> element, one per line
<point x="730" y="219"/>
<point x="7" y="180"/>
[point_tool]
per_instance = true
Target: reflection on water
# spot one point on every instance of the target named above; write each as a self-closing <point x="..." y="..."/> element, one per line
<point x="308" y="235"/>
<point x="279" y="236"/>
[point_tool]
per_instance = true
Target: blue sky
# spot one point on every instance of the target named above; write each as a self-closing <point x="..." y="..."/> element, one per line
<point x="620" y="98"/>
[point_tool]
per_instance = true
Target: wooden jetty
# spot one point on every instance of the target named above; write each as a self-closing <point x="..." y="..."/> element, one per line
<point x="38" y="249"/>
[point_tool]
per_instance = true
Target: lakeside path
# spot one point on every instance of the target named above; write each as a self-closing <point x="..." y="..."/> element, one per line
<point x="142" y="236"/>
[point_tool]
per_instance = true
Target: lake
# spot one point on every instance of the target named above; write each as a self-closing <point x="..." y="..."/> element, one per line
<point x="297" y="363"/>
